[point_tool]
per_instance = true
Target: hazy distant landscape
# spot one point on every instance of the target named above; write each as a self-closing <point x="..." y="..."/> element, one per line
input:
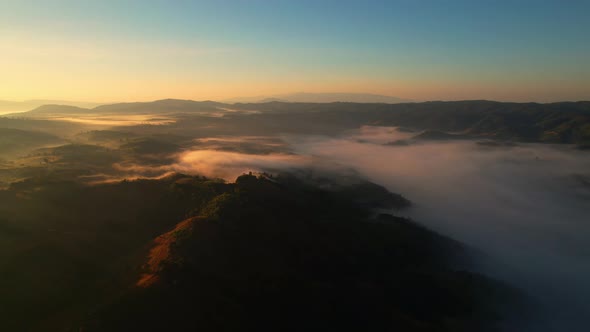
<point x="136" y="205"/>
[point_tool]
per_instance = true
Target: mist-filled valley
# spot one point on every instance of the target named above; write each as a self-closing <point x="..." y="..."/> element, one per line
<point x="184" y="215"/>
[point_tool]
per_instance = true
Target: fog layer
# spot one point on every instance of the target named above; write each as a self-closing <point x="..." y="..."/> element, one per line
<point x="525" y="207"/>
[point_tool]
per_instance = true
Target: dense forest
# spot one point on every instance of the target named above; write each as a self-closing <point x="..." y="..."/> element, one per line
<point x="185" y="253"/>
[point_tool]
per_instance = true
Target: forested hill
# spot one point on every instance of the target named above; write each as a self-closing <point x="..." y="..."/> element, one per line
<point x="279" y="254"/>
<point x="566" y="122"/>
<point x="187" y="253"/>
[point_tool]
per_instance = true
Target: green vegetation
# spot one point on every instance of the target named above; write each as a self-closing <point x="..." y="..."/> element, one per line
<point x="285" y="255"/>
<point x="438" y="136"/>
<point x="16" y="141"/>
<point x="265" y="252"/>
<point x="104" y="136"/>
<point x="150" y="146"/>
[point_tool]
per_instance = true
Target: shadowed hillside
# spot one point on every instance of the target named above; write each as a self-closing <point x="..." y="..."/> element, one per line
<point x="274" y="253"/>
<point x="265" y="252"/>
<point x="21" y="141"/>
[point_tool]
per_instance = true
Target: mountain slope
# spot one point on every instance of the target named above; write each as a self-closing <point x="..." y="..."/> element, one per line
<point x="280" y="254"/>
<point x="23" y="106"/>
<point x="306" y="97"/>
<point x="58" y="109"/>
<point x="161" y="106"/>
<point x="21" y="141"/>
<point x="154" y="107"/>
<point x="567" y="122"/>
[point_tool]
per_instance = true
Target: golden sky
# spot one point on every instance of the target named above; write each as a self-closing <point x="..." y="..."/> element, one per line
<point x="113" y="51"/>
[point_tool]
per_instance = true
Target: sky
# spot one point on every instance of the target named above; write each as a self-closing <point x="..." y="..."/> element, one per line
<point x="124" y="50"/>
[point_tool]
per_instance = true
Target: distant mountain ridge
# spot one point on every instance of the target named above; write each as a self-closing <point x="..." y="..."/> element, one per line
<point x="163" y="105"/>
<point x="151" y="107"/>
<point x="306" y="97"/>
<point x="60" y="109"/>
<point x="27" y="105"/>
<point x="563" y="122"/>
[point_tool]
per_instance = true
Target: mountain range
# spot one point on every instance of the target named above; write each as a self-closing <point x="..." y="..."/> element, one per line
<point x="27" y="105"/>
<point x="564" y="122"/>
<point x="307" y="97"/>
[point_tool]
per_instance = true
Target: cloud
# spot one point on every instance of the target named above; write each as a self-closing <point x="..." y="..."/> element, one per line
<point x="229" y="165"/>
<point x="526" y="207"/>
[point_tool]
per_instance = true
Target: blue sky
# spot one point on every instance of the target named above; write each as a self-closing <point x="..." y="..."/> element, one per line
<point x="142" y="50"/>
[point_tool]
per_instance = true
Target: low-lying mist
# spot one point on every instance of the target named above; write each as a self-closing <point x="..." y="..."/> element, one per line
<point x="524" y="207"/>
